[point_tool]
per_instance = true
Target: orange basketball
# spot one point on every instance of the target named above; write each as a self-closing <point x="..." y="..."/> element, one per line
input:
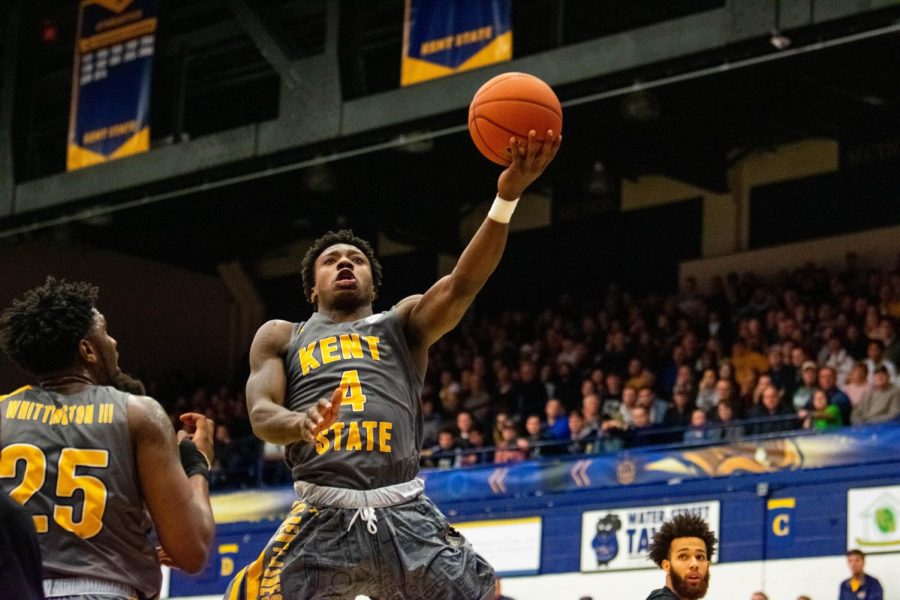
<point x="510" y="105"/>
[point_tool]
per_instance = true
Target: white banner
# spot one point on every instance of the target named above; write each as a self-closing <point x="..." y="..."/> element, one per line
<point x="619" y="538"/>
<point x="872" y="515"/>
<point x="512" y="546"/>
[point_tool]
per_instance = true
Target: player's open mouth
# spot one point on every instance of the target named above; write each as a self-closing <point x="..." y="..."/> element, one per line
<point x="345" y="279"/>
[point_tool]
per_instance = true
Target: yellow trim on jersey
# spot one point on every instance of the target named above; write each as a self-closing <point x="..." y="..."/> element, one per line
<point x="24" y="388"/>
<point x="235" y="587"/>
<point x="254" y="571"/>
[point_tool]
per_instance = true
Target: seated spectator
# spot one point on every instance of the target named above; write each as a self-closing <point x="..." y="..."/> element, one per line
<point x="822" y="415"/>
<point x="446" y="454"/>
<point x="707" y="394"/>
<point x="535" y="439"/>
<point x="879" y="404"/>
<point x="725" y="427"/>
<point x="875" y="358"/>
<point x="762" y="383"/>
<point x="888" y="336"/>
<point x="583" y="437"/>
<point x="771" y="415"/>
<point x="464" y="425"/>
<point x="613" y="391"/>
<point x="590" y="408"/>
<point x="449" y="393"/>
<point x="530" y="394"/>
<point x="641" y="432"/>
<point x="622" y="412"/>
<point x="834" y="355"/>
<point x="746" y="361"/>
<point x="431" y="423"/>
<point x="698" y="430"/>
<point x="828" y="383"/>
<point x="857" y="383"/>
<point x="679" y="414"/>
<point x="656" y="407"/>
<point x="556" y="425"/>
<point x="637" y="374"/>
<point x="509" y="450"/>
<point x="782" y="375"/>
<point x="724" y="393"/>
<point x="809" y="375"/>
<point x="499" y="419"/>
<point x="477" y="399"/>
<point x="476" y="452"/>
<point x="684" y="380"/>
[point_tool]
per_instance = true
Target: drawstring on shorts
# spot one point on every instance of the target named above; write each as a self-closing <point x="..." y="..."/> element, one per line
<point x="366" y="514"/>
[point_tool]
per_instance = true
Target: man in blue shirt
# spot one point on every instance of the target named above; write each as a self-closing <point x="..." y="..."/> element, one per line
<point x="859" y="586"/>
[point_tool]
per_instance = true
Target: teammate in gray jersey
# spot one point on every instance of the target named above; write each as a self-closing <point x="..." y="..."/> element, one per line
<point x="87" y="461"/>
<point x="342" y="392"/>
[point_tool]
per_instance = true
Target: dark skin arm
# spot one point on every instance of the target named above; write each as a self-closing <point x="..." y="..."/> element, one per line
<point x="437" y="311"/>
<point x="178" y="504"/>
<point x="271" y="421"/>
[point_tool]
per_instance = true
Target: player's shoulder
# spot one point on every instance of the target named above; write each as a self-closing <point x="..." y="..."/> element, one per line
<point x="146" y="416"/>
<point x="405" y="306"/>
<point x="274" y="335"/>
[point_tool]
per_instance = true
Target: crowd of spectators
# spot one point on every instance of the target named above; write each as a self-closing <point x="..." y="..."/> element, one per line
<point x="809" y="349"/>
<point x="239" y="458"/>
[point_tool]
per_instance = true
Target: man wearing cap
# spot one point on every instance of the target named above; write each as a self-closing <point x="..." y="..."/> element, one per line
<point x="880" y="403"/>
<point x="802" y="397"/>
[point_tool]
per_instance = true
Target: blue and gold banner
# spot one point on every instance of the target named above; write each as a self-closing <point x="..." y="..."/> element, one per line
<point x="110" y="108"/>
<point x="442" y="37"/>
<point x="780" y="536"/>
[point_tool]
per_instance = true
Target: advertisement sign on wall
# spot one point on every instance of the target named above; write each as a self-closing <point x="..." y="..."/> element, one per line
<point x="872" y="515"/>
<point x="512" y="546"/>
<point x="619" y="538"/>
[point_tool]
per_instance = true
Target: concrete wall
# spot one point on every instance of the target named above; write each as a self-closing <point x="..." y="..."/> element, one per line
<point x="163" y="317"/>
<point x="876" y="248"/>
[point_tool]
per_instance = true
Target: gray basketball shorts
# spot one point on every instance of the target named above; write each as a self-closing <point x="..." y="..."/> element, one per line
<point x="317" y="554"/>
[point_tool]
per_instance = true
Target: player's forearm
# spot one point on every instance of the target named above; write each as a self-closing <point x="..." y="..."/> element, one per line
<point x="189" y="547"/>
<point x="273" y="423"/>
<point x="480" y="257"/>
<point x="203" y="523"/>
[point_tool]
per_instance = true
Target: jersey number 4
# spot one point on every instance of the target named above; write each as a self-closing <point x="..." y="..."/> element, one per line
<point x="352" y="391"/>
<point x="68" y="481"/>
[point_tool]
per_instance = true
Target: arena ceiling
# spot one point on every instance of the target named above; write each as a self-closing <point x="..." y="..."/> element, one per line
<point x="688" y="118"/>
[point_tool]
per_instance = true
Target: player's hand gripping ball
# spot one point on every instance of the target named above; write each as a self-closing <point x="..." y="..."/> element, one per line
<point x="511" y="105"/>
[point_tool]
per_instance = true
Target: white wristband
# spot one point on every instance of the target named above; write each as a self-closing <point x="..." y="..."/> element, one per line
<point x="502" y="210"/>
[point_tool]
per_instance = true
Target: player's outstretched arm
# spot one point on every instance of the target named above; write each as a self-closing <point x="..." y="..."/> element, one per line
<point x="440" y="309"/>
<point x="271" y="421"/>
<point x="178" y="504"/>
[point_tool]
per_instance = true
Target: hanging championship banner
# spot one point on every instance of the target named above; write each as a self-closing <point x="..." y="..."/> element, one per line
<point x="110" y="107"/>
<point x="442" y="37"/>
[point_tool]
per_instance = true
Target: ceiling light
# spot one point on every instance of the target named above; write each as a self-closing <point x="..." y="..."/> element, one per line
<point x="779" y="41"/>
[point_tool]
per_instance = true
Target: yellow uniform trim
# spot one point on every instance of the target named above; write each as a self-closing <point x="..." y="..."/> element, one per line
<point x="254" y="570"/>
<point x="22" y="389"/>
<point x="236" y="585"/>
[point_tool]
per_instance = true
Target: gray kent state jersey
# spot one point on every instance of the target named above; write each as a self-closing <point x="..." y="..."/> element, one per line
<point x="69" y="461"/>
<point x="376" y="439"/>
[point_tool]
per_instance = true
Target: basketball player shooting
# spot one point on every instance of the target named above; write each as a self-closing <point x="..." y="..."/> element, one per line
<point x="342" y="392"/>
